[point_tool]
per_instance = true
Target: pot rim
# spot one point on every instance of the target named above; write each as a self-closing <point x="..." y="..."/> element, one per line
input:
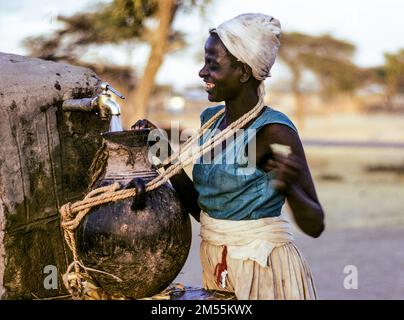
<point x="130" y="138"/>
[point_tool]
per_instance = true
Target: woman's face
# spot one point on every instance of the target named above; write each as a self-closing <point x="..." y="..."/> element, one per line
<point x="221" y="71"/>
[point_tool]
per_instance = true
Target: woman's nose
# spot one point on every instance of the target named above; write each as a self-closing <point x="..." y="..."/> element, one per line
<point x="203" y="72"/>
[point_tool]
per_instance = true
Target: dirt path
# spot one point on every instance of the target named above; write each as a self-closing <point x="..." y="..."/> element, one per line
<point x="377" y="254"/>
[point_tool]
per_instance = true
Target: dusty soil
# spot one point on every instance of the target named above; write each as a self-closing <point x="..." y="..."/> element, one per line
<point x="376" y="253"/>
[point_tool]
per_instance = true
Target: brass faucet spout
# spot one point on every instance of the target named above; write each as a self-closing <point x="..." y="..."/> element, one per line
<point x="101" y="103"/>
<point x="108" y="107"/>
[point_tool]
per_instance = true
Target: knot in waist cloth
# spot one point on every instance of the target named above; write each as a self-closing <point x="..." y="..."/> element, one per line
<point x="247" y="239"/>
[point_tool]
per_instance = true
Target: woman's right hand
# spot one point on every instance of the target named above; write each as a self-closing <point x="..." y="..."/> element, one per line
<point x="143" y="124"/>
<point x="165" y="149"/>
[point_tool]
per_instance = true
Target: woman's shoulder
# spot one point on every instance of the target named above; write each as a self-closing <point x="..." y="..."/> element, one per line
<point x="210" y="112"/>
<point x="273" y="116"/>
<point x="277" y="127"/>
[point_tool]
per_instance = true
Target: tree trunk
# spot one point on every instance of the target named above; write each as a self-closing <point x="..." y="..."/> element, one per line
<point x="158" y="48"/>
<point x="390" y="92"/>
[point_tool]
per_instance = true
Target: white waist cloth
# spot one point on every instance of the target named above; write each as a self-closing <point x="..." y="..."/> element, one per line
<point x="247" y="239"/>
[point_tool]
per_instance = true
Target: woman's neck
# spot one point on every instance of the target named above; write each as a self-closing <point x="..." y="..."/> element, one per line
<point x="241" y="104"/>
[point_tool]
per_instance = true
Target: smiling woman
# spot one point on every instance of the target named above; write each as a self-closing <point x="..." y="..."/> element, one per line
<point x="247" y="246"/>
<point x="222" y="71"/>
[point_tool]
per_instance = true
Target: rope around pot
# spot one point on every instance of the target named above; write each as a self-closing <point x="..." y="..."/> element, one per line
<point x="73" y="213"/>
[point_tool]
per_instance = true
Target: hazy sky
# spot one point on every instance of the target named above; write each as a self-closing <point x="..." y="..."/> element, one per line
<point x="374" y="26"/>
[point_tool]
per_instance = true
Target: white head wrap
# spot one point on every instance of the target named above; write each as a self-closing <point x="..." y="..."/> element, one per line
<point x="253" y="39"/>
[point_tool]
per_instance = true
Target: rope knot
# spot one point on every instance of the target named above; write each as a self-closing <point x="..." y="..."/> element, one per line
<point x="66" y="211"/>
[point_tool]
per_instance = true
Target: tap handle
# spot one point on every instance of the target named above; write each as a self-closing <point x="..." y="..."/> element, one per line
<point x="106" y="86"/>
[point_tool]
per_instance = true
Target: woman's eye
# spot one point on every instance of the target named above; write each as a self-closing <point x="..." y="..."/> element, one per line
<point x="211" y="65"/>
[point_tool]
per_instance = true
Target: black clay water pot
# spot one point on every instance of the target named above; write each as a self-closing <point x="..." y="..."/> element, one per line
<point x="145" y="248"/>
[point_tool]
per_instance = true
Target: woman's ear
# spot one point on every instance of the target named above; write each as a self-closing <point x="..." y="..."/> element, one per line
<point x="246" y="73"/>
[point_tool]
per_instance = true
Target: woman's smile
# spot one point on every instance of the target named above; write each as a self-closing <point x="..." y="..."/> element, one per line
<point x="220" y="74"/>
<point x="209" y="86"/>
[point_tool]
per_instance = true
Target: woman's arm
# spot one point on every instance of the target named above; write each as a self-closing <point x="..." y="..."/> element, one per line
<point x="186" y="191"/>
<point x="293" y="177"/>
<point x="182" y="184"/>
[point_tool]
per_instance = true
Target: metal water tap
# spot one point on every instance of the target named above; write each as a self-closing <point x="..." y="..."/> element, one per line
<point x="107" y="106"/>
<point x="101" y="103"/>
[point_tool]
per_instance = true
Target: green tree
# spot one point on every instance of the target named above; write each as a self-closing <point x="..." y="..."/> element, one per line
<point x="117" y="22"/>
<point x="328" y="58"/>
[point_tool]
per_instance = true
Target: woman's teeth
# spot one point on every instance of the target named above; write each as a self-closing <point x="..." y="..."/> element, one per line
<point x="209" y="86"/>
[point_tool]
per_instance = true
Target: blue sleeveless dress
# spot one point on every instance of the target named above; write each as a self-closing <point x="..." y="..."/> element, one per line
<point x="230" y="187"/>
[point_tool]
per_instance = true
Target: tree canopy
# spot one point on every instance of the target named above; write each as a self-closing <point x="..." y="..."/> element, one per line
<point x="117" y="22"/>
<point x="330" y="59"/>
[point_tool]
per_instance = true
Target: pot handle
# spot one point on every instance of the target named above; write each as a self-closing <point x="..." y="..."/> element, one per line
<point x="139" y="200"/>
